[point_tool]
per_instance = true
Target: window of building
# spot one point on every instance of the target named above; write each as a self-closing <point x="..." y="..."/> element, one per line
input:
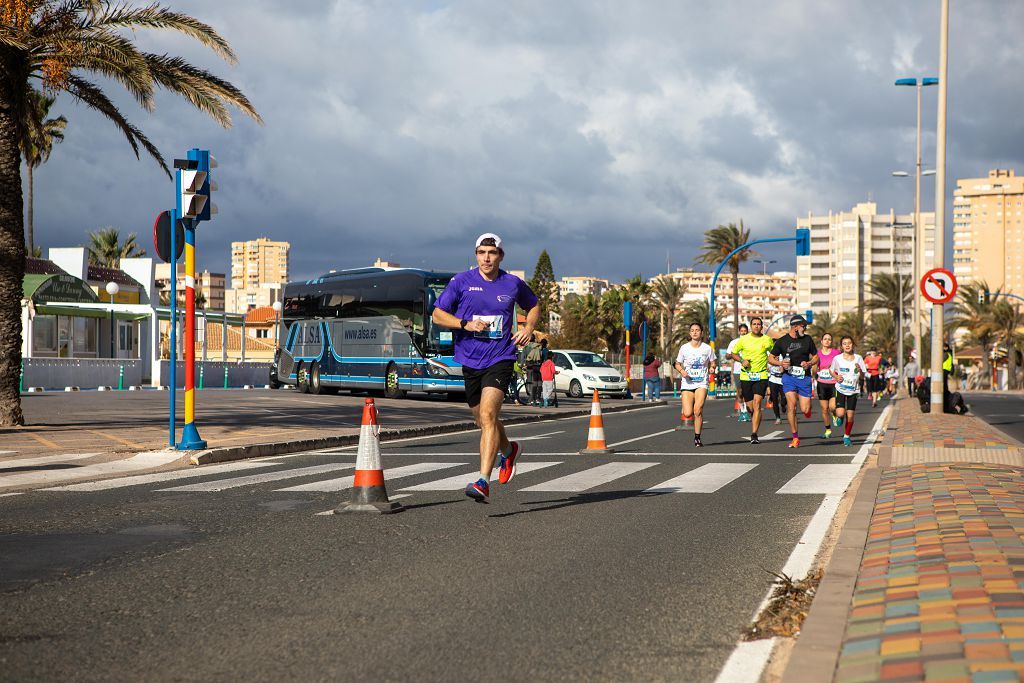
<point x="44" y="335"/>
<point x="85" y="336"/>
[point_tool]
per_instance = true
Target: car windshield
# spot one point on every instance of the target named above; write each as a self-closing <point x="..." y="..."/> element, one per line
<point x="588" y="360"/>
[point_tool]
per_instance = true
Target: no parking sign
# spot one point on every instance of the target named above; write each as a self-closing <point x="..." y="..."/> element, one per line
<point x="938" y="286"/>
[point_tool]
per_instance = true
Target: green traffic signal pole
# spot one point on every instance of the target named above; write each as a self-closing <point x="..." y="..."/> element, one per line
<point x="802" y="239"/>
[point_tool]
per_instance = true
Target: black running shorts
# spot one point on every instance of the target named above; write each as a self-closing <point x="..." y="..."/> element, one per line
<point x="826" y="392"/>
<point x="846" y="402"/>
<point x="749" y="388"/>
<point x="497" y="376"/>
<point x="875" y="383"/>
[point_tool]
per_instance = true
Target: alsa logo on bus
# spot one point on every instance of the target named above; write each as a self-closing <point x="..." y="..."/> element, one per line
<point x="361" y="333"/>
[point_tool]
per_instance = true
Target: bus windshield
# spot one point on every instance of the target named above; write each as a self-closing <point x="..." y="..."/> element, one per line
<point x="439" y="339"/>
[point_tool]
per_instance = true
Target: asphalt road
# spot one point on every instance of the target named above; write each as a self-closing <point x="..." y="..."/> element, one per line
<point x="576" y="570"/>
<point x="1005" y="411"/>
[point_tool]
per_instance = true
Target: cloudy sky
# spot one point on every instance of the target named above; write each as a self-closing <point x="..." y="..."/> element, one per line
<point x="611" y="134"/>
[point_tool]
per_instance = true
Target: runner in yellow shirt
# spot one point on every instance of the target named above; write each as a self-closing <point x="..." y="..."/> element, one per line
<point x="752" y="351"/>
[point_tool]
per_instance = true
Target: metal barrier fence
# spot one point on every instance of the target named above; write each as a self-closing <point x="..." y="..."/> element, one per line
<point x="85" y="373"/>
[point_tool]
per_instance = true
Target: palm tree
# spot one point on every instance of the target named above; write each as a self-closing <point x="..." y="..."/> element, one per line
<point x="720" y="242"/>
<point x="881" y="333"/>
<point x="40" y="133"/>
<point x="854" y="324"/>
<point x="667" y="294"/>
<point x="106" y="249"/>
<point x="884" y="292"/>
<point x="1007" y="319"/>
<point x="972" y="310"/>
<point x="697" y="312"/>
<point x="60" y="43"/>
<point x="823" y="322"/>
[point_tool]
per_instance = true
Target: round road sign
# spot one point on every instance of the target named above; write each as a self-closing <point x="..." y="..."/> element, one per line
<point x="938" y="286"/>
<point x="162" y="237"/>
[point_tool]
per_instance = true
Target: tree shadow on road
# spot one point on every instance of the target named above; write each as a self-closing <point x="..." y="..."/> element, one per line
<point x="582" y="499"/>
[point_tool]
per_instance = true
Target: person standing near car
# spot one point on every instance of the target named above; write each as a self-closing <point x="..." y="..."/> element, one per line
<point x="652" y="378"/>
<point x="480" y="305"/>
<point x="547" y="378"/>
<point x="696" y="363"/>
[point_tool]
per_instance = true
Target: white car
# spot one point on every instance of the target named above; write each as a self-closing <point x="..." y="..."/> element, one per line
<point x="580" y="372"/>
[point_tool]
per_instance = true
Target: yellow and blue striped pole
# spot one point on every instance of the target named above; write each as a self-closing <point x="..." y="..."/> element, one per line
<point x="189" y="434"/>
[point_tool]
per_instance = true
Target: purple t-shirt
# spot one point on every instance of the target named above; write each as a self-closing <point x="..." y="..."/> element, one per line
<point x="470" y="297"/>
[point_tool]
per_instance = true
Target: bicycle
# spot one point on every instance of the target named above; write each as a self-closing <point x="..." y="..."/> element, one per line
<point x="518" y="389"/>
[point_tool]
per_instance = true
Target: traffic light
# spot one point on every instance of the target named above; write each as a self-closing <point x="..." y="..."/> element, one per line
<point x="191" y="200"/>
<point x="803" y="242"/>
<point x="204" y="162"/>
<point x="983" y="297"/>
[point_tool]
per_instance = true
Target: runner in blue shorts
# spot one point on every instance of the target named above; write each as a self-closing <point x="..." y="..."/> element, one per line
<point x="795" y="353"/>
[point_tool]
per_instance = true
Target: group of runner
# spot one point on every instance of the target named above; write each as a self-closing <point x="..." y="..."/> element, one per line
<point x="787" y="370"/>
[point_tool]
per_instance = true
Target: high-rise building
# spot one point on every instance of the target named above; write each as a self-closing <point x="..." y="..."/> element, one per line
<point x="258" y="262"/>
<point x="988" y="230"/>
<point x="259" y="270"/>
<point x="210" y="285"/>
<point x="848" y="248"/>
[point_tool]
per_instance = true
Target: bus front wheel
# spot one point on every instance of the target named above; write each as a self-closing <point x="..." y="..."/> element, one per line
<point x="391" y="389"/>
<point x="313" y="382"/>
<point x="301" y="378"/>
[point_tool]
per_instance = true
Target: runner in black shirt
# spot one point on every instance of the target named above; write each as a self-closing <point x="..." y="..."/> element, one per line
<point x="795" y="353"/>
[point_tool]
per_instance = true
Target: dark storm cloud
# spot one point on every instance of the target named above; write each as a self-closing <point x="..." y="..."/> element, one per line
<point x="608" y="133"/>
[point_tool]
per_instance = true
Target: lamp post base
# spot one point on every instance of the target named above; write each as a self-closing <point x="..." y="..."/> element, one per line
<point x="190" y="440"/>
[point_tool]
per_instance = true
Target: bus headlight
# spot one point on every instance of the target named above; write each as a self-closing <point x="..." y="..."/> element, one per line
<point x="436" y="369"/>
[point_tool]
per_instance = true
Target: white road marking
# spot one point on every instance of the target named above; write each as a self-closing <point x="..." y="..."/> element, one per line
<point x="538" y="436"/>
<point x="746" y="662"/>
<point x="236" y="482"/>
<point x="459" y="481"/>
<point x="821" y="479"/>
<point x="139" y="461"/>
<point x="802" y="557"/>
<point x="705" y="479"/>
<point x="343" y="483"/>
<point x="4" y="495"/>
<point x="123" y="482"/>
<point x="771" y="436"/>
<point x="702" y="453"/>
<point x="44" y="460"/>
<point x="5" y="452"/>
<point x="862" y="454"/>
<point x="641" y="438"/>
<point x="589" y="478"/>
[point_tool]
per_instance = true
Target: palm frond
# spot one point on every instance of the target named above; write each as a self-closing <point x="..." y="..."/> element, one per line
<point x="206" y="92"/>
<point x="91" y="95"/>
<point x="155" y="16"/>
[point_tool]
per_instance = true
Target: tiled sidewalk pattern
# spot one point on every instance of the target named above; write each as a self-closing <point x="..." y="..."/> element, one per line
<point x="940" y="594"/>
<point x="914" y="428"/>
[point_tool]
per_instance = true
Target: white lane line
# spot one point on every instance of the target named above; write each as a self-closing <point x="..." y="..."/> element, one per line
<point x="236" y="482"/>
<point x="802" y="557"/>
<point x="538" y="436"/>
<point x="771" y="436"/>
<point x="156" y="477"/>
<point x="45" y="460"/>
<point x="459" y="481"/>
<point x="140" y="461"/>
<point x="343" y="483"/>
<point x="876" y="432"/>
<point x="6" y="452"/>
<point x="595" y="476"/>
<point x="754" y="452"/>
<point x="746" y="662"/>
<point x="641" y="438"/>
<point x="705" y="479"/>
<point x="4" y="495"/>
<point x="821" y="479"/>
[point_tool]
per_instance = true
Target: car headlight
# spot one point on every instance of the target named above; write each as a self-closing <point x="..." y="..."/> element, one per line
<point x="588" y="377"/>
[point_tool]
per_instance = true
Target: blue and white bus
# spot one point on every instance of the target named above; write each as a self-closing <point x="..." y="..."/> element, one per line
<point x="366" y="329"/>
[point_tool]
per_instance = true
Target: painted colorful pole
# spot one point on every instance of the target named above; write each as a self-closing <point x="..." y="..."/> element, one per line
<point x="172" y="370"/>
<point x="190" y="440"/>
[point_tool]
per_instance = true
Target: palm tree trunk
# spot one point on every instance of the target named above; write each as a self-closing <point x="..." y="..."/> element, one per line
<point x="986" y="366"/>
<point x="735" y="299"/>
<point x="1011" y="365"/>
<point x="12" y="251"/>
<point x="28" y="223"/>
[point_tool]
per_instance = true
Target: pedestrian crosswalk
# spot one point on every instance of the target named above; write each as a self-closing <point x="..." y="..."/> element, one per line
<point x="532" y="476"/>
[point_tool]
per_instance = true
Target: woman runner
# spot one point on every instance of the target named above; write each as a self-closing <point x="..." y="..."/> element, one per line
<point x="848" y="369"/>
<point x="827" y="383"/>
<point x="696" y="363"/>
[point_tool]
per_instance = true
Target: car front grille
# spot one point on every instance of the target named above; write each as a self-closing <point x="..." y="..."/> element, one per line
<point x="607" y="378"/>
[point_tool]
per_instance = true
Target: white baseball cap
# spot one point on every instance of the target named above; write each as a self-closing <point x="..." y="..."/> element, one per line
<point x="489" y="235"/>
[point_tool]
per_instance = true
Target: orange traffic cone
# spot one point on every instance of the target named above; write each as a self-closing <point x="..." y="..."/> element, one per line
<point x="595" y="437"/>
<point x="685" y="422"/>
<point x="368" y="491"/>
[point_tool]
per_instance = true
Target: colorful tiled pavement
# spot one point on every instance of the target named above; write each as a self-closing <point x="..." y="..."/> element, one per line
<point x="940" y="592"/>
<point x="912" y="428"/>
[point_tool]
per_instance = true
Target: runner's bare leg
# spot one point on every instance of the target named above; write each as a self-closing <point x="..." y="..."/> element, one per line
<point x="492" y="432"/>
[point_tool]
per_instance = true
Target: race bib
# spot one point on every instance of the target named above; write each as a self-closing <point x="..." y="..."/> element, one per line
<point x="849" y="384"/>
<point x="697" y="374"/>
<point x="492" y="332"/>
<point x="796" y="371"/>
<point x="825" y="374"/>
<point x="754" y="376"/>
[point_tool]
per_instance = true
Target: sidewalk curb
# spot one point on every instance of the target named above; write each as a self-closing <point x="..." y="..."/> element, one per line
<point x="230" y="453"/>
<point x="817" y="650"/>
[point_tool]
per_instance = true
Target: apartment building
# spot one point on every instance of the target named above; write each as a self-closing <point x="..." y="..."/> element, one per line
<point x="210" y="285"/>
<point x="848" y="248"/>
<point x="581" y="286"/>
<point x="988" y="230"/>
<point x="259" y="270"/>
<point x="765" y="295"/>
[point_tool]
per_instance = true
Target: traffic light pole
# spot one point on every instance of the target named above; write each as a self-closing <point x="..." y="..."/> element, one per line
<point x="190" y="439"/>
<point x="173" y="340"/>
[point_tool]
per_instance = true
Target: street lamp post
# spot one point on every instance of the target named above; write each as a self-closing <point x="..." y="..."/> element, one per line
<point x="112" y="290"/>
<point x="765" y="263"/>
<point x="277" y="323"/>
<point x="938" y="397"/>
<point x="918" y="232"/>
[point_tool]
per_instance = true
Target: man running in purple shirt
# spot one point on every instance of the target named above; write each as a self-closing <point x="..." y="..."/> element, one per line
<point x="479" y="305"/>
